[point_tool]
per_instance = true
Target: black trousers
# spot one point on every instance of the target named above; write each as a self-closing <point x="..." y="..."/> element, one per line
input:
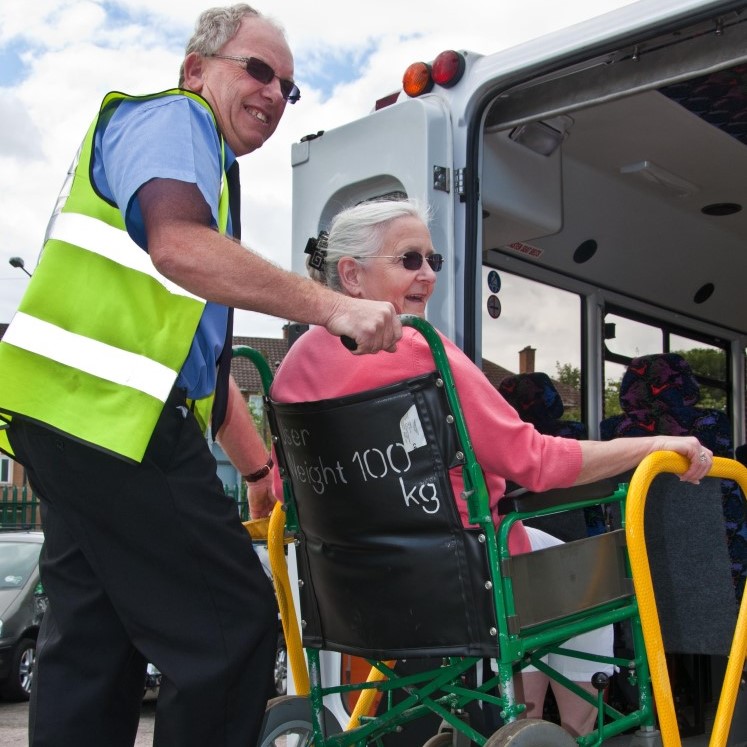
<point x="145" y="562"/>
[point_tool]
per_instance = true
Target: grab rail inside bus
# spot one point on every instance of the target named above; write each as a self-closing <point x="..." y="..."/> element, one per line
<point x="653" y="465"/>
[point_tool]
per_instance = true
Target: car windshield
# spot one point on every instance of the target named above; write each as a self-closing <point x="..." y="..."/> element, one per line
<point x="17" y="561"/>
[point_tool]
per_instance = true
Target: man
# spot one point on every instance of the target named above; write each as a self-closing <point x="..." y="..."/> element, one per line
<point x="107" y="373"/>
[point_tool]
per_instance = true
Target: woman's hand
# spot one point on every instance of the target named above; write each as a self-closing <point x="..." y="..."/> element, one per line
<point x="700" y="458"/>
<point x="600" y="459"/>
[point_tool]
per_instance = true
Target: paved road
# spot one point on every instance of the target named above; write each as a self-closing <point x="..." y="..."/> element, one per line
<point x="14" y="719"/>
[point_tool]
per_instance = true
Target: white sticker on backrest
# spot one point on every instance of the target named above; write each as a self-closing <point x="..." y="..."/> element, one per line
<point x="412" y="430"/>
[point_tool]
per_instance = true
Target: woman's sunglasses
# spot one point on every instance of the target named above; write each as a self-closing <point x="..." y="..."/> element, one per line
<point x="412" y="260"/>
<point x="263" y="73"/>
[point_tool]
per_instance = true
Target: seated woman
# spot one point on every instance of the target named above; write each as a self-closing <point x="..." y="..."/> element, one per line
<point x="382" y="250"/>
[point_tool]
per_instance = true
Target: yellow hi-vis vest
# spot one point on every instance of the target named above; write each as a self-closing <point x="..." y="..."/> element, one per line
<point x="100" y="335"/>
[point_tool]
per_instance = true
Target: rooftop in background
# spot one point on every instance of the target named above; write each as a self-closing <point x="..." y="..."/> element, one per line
<point x="245" y="373"/>
<point x="495" y="373"/>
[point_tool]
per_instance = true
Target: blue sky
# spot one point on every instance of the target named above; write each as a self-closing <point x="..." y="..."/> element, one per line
<point x="59" y="57"/>
<point x="12" y="68"/>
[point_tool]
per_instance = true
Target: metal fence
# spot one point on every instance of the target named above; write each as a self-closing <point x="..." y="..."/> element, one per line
<point x="238" y="493"/>
<point x="19" y="507"/>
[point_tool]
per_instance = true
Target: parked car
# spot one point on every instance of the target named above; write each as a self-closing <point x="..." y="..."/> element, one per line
<point x="22" y="605"/>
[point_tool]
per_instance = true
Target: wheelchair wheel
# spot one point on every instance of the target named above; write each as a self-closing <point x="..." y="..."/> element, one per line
<point x="531" y="732"/>
<point x="287" y="723"/>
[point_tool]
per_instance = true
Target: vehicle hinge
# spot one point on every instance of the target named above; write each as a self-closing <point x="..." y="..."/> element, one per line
<point x="441" y="178"/>
<point x="459" y="179"/>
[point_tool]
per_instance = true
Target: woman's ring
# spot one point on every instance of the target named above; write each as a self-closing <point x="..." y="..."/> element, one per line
<point x="703" y="457"/>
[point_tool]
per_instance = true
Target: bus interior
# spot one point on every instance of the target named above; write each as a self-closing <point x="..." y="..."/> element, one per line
<point x="612" y="194"/>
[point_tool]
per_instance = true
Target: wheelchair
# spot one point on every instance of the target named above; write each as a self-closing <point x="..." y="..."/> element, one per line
<point x="443" y="615"/>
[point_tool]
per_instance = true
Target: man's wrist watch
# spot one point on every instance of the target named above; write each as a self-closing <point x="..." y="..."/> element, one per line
<point x="260" y="473"/>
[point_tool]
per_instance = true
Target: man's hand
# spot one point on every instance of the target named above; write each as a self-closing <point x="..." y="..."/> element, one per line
<point x="261" y="498"/>
<point x="373" y="325"/>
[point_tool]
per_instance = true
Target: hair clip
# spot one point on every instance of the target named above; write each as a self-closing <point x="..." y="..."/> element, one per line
<point x="317" y="249"/>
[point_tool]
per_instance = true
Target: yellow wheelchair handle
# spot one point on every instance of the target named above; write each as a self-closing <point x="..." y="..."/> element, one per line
<point x="366" y="700"/>
<point x="288" y="618"/>
<point x="653" y="465"/>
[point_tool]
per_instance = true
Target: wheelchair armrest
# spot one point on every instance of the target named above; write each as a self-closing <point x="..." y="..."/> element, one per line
<point x="525" y="501"/>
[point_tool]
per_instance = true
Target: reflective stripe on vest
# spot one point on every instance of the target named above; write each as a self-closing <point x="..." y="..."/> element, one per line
<point x="4" y="443"/>
<point x="109" y="242"/>
<point x="100" y="335"/>
<point x="96" y="358"/>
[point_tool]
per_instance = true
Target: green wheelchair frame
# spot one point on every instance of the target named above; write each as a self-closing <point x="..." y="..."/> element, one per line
<point x="444" y="691"/>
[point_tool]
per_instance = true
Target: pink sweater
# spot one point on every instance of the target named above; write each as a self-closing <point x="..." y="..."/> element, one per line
<point x="319" y="367"/>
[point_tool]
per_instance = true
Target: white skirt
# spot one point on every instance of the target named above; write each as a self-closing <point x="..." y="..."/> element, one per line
<point x="598" y="641"/>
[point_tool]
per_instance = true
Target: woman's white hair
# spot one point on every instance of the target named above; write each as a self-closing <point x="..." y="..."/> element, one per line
<point x="358" y="231"/>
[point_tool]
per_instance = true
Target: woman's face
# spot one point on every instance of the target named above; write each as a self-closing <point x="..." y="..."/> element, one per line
<point x="383" y="277"/>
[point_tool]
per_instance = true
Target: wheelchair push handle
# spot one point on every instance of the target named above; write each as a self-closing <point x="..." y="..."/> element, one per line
<point x="406" y="319"/>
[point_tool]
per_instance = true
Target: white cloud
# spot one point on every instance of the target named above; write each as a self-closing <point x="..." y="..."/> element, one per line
<point x="69" y="53"/>
<point x="19" y="130"/>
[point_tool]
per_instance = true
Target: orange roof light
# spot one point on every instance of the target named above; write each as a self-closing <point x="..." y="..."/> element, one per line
<point x="417" y="79"/>
<point x="448" y="68"/>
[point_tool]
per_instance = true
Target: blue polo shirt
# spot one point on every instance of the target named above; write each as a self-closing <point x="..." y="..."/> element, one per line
<point x="171" y="137"/>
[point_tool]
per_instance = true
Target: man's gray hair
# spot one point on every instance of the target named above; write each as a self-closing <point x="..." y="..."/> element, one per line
<point x="358" y="231"/>
<point x="216" y="27"/>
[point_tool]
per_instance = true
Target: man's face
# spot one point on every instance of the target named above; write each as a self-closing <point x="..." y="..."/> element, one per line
<point x="247" y="110"/>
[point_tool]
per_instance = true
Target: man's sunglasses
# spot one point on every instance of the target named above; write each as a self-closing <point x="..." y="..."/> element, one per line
<point x="412" y="260"/>
<point x="263" y="73"/>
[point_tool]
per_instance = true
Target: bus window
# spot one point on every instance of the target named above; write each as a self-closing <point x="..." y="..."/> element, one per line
<point x="613" y="373"/>
<point x="529" y="326"/>
<point x="708" y="363"/>
<point x="627" y="338"/>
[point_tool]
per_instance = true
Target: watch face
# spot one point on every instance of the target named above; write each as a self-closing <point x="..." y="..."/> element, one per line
<point x="494" y="281"/>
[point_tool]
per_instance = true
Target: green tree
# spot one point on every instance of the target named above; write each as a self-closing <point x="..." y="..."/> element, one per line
<point x="612" y="398"/>
<point x="568" y="374"/>
<point x="709" y="363"/>
<point x="256" y="408"/>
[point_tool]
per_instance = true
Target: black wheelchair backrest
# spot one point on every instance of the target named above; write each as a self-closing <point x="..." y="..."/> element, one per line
<point x="386" y="569"/>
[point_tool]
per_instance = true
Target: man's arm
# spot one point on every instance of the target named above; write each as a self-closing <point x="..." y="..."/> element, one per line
<point x="185" y="249"/>
<point x="244" y="447"/>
